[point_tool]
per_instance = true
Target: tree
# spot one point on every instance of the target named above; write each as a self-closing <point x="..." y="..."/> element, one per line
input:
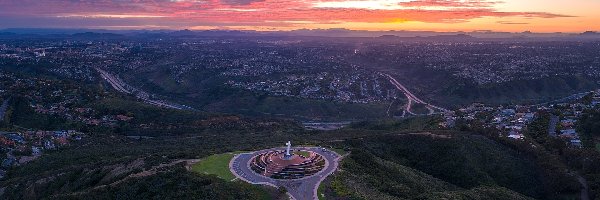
<point x="282" y="190"/>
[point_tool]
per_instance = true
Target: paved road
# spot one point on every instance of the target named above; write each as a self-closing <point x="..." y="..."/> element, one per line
<point x="325" y="126"/>
<point x="565" y="99"/>
<point x="584" y="187"/>
<point x="299" y="189"/>
<point x="113" y="81"/>
<point x="413" y="98"/>
<point x="3" y="108"/>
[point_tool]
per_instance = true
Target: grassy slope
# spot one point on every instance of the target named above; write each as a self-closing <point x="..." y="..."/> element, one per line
<point x="179" y="184"/>
<point x="419" y="109"/>
<point x="217" y="164"/>
<point x="339" y="151"/>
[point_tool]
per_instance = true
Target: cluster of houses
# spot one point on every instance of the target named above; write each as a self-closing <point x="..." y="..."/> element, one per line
<point x="512" y="121"/>
<point x="85" y="115"/>
<point x="54" y="98"/>
<point x="355" y="87"/>
<point x="565" y="125"/>
<point x="21" y="147"/>
<point x="567" y="131"/>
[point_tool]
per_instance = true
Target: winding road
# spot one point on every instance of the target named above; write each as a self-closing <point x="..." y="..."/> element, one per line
<point x="584" y="195"/>
<point x="299" y="189"/>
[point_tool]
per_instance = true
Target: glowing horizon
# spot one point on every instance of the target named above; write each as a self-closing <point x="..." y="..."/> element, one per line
<point x="269" y="15"/>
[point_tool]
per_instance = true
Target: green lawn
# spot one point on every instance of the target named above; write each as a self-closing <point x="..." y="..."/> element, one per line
<point x="339" y="151"/>
<point x="217" y="164"/>
<point x="320" y="192"/>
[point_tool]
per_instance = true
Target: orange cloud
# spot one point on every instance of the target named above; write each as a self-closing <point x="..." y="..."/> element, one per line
<point x="451" y="3"/>
<point x="275" y="13"/>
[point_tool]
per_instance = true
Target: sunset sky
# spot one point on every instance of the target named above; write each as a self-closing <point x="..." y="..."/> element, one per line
<point x="265" y="15"/>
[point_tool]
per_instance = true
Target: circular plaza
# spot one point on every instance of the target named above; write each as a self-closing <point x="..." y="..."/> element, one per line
<point x="280" y="165"/>
<point x="300" y="169"/>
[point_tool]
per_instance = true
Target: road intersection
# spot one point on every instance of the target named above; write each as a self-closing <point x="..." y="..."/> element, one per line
<point x="413" y="99"/>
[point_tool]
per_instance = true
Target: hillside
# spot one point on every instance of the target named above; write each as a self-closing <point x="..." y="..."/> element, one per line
<point x="207" y="91"/>
<point x="516" y="92"/>
<point x="131" y="149"/>
<point x="440" y="165"/>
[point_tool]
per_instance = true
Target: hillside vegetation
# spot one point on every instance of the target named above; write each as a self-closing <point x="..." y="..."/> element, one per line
<point x="439" y="165"/>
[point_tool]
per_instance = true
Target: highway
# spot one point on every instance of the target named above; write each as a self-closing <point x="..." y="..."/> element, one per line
<point x="116" y="83"/>
<point x="299" y="189"/>
<point x="413" y="98"/>
<point x="565" y="99"/>
<point x="121" y="86"/>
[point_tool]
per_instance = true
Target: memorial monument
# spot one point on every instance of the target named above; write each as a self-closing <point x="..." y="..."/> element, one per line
<point x="285" y="164"/>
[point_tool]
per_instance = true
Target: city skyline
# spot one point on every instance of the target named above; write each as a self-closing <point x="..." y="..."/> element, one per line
<point x="275" y="15"/>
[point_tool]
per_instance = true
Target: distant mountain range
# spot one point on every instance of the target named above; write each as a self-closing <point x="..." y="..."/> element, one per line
<point x="482" y="34"/>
